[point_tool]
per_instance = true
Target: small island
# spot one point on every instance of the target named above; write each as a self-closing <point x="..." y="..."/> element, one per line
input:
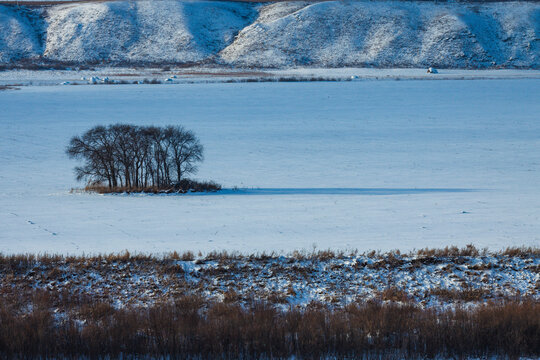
<point x="129" y="158"/>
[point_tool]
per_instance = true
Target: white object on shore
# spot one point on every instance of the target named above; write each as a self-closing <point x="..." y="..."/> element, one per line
<point x="432" y="71"/>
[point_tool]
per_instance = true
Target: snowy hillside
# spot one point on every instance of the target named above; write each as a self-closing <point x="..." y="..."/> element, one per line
<point x="171" y="31"/>
<point x="18" y="37"/>
<point x="390" y="34"/>
<point x="328" y="34"/>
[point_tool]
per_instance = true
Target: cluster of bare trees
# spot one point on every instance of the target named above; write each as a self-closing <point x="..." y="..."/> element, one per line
<point x="135" y="157"/>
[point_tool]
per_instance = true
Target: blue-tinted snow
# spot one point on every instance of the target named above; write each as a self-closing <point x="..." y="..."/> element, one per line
<point x="477" y="135"/>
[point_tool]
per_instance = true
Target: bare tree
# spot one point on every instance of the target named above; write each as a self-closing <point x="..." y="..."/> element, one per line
<point x="185" y="149"/>
<point x="96" y="148"/>
<point x="134" y="157"/>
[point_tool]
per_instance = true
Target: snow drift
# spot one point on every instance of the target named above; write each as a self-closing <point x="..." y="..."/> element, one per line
<point x="331" y="34"/>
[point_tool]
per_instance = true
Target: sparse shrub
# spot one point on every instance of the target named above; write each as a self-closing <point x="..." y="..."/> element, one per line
<point x="452" y="251"/>
<point x="522" y="252"/>
<point x="188" y="256"/>
<point x="466" y="293"/>
<point x="392" y="293"/>
<point x="187" y="185"/>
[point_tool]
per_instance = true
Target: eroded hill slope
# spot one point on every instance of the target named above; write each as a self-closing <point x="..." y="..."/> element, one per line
<point x="331" y="34"/>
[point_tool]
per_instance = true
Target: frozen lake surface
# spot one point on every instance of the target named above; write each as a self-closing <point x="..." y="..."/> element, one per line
<point x="361" y="164"/>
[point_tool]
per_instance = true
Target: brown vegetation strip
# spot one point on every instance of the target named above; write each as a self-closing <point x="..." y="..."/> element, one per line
<point x="225" y="73"/>
<point x="60" y="2"/>
<point x="229" y="305"/>
<point x="447" y="278"/>
<point x="49" y="3"/>
<point x="9" y="87"/>
<point x="181" y="187"/>
<point x="192" y="327"/>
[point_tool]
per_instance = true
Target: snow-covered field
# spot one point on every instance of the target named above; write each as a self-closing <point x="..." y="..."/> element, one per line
<point x="358" y="164"/>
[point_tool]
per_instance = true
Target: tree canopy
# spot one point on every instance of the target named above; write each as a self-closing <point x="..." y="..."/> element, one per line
<point x="134" y="157"/>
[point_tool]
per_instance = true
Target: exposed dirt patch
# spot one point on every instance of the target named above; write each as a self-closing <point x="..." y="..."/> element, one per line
<point x="232" y="73"/>
<point x="10" y="87"/>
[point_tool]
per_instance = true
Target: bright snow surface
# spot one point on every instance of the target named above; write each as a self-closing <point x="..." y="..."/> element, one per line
<point x="360" y="164"/>
<point x="282" y="34"/>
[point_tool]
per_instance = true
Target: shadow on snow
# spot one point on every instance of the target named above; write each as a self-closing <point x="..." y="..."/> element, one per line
<point x="335" y="191"/>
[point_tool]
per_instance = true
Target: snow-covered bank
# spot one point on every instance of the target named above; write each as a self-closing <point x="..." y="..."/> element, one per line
<point x="284" y="34"/>
<point x="297" y="280"/>
<point x="181" y="75"/>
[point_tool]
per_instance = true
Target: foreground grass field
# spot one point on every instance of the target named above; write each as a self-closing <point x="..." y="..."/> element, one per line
<point x="192" y="328"/>
<point x="430" y="303"/>
<point x="427" y="278"/>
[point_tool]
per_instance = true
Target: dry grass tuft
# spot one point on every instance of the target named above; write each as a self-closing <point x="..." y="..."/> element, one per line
<point x="393" y="293"/>
<point x="522" y="252"/>
<point x="467" y="293"/>
<point x="452" y="251"/>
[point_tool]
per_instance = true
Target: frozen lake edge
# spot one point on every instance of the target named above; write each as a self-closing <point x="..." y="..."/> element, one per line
<point x="477" y="135"/>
